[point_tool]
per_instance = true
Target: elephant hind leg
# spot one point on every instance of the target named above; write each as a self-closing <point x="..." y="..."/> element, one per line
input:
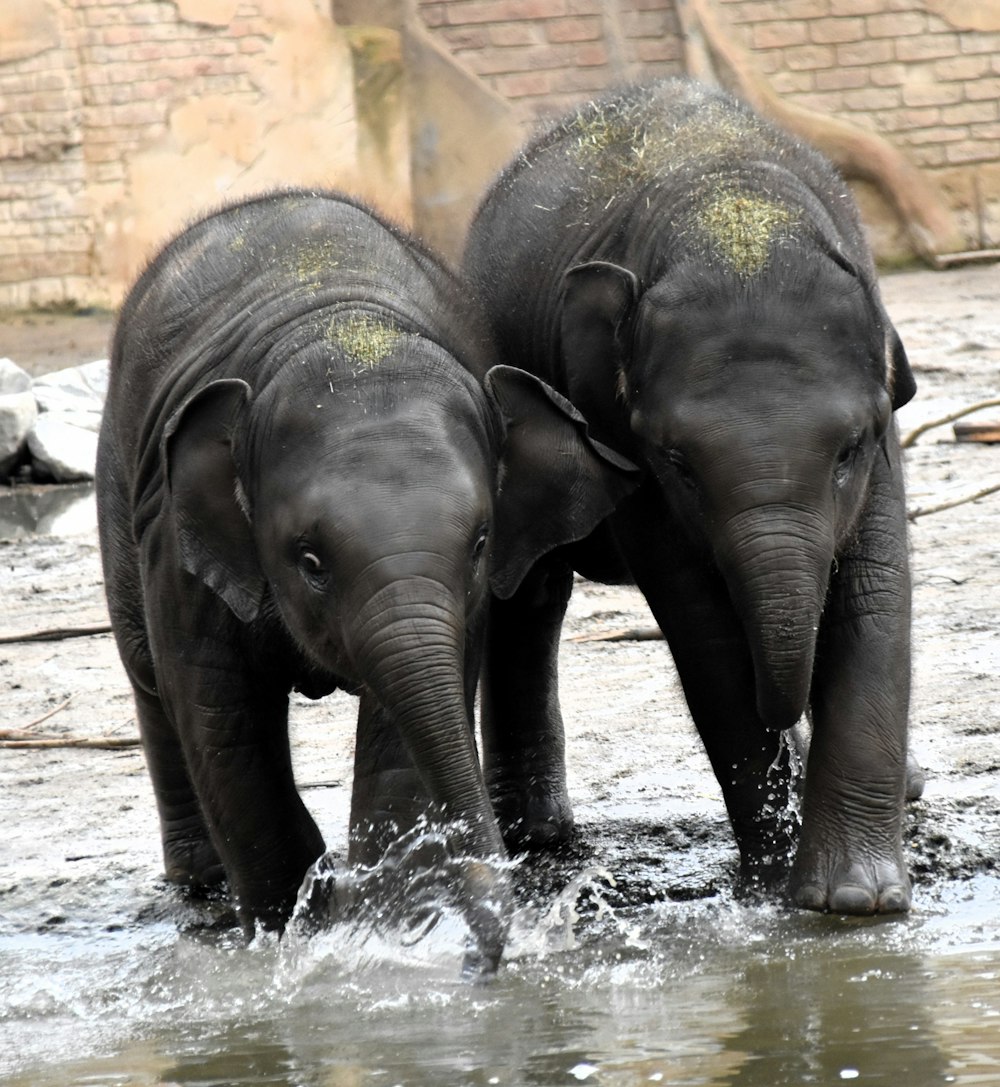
<point x="190" y="859"/>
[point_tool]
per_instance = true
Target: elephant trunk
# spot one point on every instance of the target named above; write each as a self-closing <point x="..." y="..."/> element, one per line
<point x="777" y="567"/>
<point x="408" y="645"/>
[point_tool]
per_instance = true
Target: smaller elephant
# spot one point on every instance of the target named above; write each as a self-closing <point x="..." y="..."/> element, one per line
<point x="310" y="475"/>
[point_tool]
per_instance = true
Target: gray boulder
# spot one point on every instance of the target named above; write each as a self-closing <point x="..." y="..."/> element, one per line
<point x="12" y="378"/>
<point x="63" y="444"/>
<point x="63" y="439"/>
<point x="18" y="412"/>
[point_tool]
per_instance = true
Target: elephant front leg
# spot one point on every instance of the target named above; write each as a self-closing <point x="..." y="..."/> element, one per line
<point x="234" y="733"/>
<point x="524" y="746"/>
<point x="755" y="767"/>
<point x="190" y="859"/>
<point x="850" y="858"/>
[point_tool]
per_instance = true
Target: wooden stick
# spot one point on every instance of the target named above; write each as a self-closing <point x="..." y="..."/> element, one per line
<point x="105" y="742"/>
<point x="911" y="438"/>
<point x="46" y="716"/>
<point x="922" y="511"/>
<point x="626" y="634"/>
<point x="55" y="634"/>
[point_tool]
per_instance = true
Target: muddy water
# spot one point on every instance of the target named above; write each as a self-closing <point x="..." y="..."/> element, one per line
<point x="596" y="987"/>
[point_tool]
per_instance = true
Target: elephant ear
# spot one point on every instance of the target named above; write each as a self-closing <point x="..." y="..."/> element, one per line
<point x="901" y="383"/>
<point x="557" y="483"/>
<point x="213" y="532"/>
<point x="598" y="305"/>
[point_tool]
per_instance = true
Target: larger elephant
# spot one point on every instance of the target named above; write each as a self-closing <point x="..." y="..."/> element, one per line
<point x="698" y="284"/>
<point x="308" y="476"/>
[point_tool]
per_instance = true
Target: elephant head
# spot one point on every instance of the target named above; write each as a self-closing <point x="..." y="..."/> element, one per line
<point x="757" y="408"/>
<point x="370" y="510"/>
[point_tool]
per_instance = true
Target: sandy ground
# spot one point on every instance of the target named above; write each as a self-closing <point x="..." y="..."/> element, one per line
<point x="79" y="824"/>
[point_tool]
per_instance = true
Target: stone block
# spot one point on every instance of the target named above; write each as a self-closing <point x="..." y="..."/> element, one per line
<point x="63" y="445"/>
<point x="18" y="412"/>
<point x="12" y="378"/>
<point x="76" y="389"/>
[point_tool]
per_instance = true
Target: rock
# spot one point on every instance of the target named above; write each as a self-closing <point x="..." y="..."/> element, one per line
<point x="63" y="444"/>
<point x="12" y="378"/>
<point x="17" y="416"/>
<point x="76" y="389"/>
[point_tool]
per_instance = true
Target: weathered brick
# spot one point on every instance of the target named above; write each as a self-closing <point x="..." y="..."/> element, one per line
<point x="653" y="51"/>
<point x="779" y="35"/>
<point x="888" y="75"/>
<point x="507" y="34"/>
<point x="802" y="57"/>
<point x="856" y="7"/>
<point x="498" y="11"/>
<point x="931" y="94"/>
<point x="872" y="98"/>
<point x="968" y="113"/>
<point x="839" y="79"/>
<point x="831" y="31"/>
<point x="866" y="52"/>
<point x="974" y="150"/>
<point x="521" y="84"/>
<point x="962" y="67"/>
<point x="896" y="25"/>
<point x="786" y="82"/>
<point x="574" y="29"/>
<point x="984" y="88"/>
<point x="926" y="47"/>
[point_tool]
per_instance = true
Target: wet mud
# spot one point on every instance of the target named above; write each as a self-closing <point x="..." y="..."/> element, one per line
<point x="80" y="859"/>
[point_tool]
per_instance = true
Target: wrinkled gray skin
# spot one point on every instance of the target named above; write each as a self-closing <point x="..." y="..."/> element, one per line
<point x="298" y="488"/>
<point x="698" y="285"/>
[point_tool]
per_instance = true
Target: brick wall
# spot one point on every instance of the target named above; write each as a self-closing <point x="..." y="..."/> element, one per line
<point x="925" y="74"/>
<point x="120" y="120"/>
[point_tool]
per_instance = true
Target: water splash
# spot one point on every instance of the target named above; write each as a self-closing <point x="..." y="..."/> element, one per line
<point x="537" y="932"/>
<point x="420" y="887"/>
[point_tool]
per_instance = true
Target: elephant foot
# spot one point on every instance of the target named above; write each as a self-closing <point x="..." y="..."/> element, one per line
<point x="916" y="779"/>
<point x="840" y="885"/>
<point x="532" y="818"/>
<point x="192" y="863"/>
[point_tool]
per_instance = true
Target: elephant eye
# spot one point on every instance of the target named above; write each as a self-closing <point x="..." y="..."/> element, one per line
<point x="480" y="545"/>
<point x="681" y="468"/>
<point x="845" y="462"/>
<point x="311" y="566"/>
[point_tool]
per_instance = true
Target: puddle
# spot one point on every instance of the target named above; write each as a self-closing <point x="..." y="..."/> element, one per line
<point x="66" y="509"/>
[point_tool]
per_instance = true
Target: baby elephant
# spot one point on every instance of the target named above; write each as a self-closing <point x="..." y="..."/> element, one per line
<point x="309" y="477"/>
<point x="699" y="285"/>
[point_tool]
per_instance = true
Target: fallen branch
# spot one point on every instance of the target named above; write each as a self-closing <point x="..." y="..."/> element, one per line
<point x="626" y="634"/>
<point x="45" y="716"/>
<point x="923" y="511"/>
<point x="56" y="634"/>
<point x="104" y="742"/>
<point x="911" y="438"/>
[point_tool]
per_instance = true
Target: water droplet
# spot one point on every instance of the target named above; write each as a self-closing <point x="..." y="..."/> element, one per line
<point x="849" y="1073"/>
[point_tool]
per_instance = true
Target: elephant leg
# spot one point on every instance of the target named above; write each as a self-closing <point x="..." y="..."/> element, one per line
<point x="389" y="796"/>
<point x="524" y="756"/>
<point x="850" y="856"/>
<point x="754" y="765"/>
<point x="190" y="859"/>
<point x="231" y="717"/>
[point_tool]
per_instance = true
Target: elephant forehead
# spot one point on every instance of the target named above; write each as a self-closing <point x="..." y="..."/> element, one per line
<point x="740" y="227"/>
<point x="366" y="339"/>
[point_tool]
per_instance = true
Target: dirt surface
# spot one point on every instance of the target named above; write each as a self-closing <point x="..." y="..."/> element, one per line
<point x="80" y="834"/>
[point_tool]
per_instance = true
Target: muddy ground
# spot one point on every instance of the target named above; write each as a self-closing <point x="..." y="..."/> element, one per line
<point x="80" y="837"/>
